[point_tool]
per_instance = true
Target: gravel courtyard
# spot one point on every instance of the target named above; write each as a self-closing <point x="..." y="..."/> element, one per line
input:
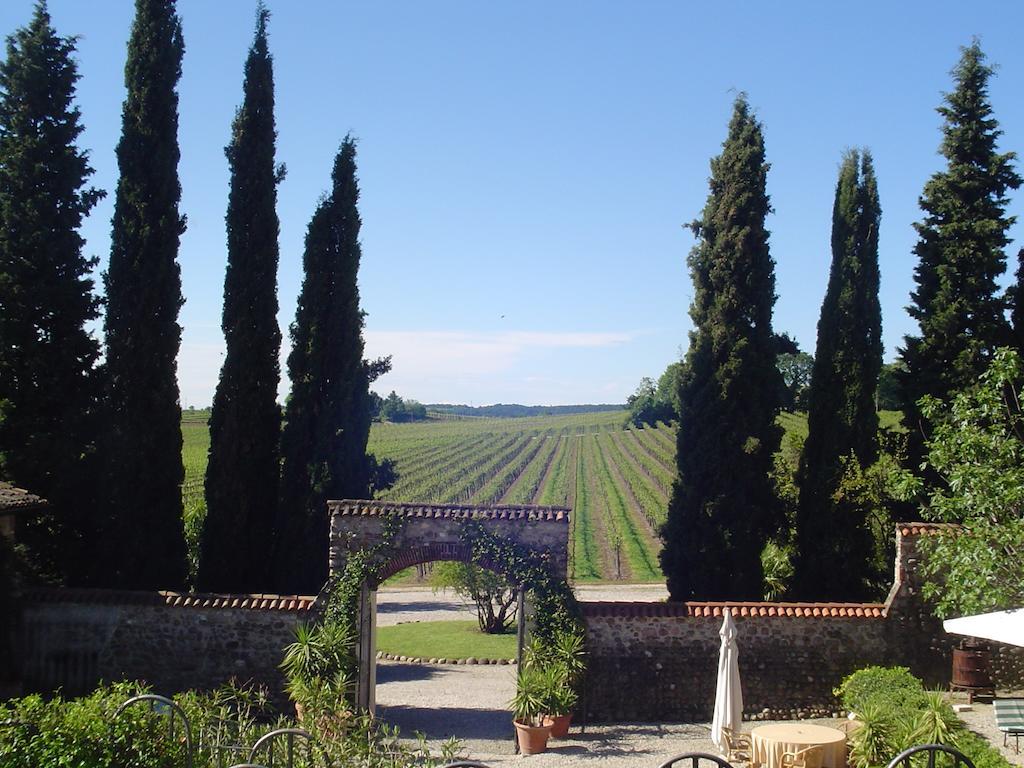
<point x="471" y="702"/>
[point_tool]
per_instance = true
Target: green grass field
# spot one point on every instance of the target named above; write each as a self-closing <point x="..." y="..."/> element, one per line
<point x="616" y="479"/>
<point x="444" y="640"/>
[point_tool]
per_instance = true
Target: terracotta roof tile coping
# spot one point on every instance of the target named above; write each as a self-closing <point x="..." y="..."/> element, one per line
<point x="927" y="529"/>
<point x="14" y="500"/>
<point x="739" y="610"/>
<point x="174" y="599"/>
<point x="364" y="508"/>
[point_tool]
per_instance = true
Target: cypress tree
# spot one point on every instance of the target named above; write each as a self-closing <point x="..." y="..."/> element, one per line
<point x="841" y="416"/>
<point x="723" y="508"/>
<point x="143" y="282"/>
<point x="245" y="424"/>
<point x="327" y="416"/>
<point x="1015" y="300"/>
<point x="48" y="383"/>
<point x="960" y="251"/>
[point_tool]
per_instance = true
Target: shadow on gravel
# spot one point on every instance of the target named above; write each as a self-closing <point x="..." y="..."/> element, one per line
<point x="397" y="672"/>
<point x="418" y="607"/>
<point x="442" y="722"/>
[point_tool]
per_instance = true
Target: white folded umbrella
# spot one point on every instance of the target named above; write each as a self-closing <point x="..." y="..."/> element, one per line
<point x="1001" y="626"/>
<point x="729" y="692"/>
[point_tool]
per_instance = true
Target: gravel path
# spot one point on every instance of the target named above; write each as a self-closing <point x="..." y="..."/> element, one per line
<point x="471" y="702"/>
<point x="396" y="605"/>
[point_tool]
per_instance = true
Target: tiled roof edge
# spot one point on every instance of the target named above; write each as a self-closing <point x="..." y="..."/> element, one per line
<point x="368" y="508"/>
<point x="739" y="610"/>
<point x="14" y="500"/>
<point x="296" y="603"/>
<point x="926" y="529"/>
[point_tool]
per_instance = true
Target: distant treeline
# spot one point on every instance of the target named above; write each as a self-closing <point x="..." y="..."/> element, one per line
<point x="512" y="410"/>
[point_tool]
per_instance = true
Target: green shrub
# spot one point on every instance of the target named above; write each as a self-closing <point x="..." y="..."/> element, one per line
<point x="82" y="733"/>
<point x="889" y="687"/>
<point x="981" y="753"/>
<point x="897" y="713"/>
<point x="872" y="743"/>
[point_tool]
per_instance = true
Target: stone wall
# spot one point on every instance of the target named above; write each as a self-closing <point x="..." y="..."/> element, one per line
<point x="648" y="661"/>
<point x="72" y="639"/>
<point x="659" y="662"/>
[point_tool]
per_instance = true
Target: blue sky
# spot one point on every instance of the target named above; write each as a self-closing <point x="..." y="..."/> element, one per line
<point x="527" y="167"/>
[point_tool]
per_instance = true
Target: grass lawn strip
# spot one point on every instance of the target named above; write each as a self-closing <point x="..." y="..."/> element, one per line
<point x="444" y="640"/>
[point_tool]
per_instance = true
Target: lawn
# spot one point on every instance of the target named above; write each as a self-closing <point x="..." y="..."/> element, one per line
<point x="444" y="640"/>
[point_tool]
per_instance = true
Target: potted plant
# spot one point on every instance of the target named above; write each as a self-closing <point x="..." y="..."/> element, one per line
<point x="533" y="694"/>
<point x="319" y="668"/>
<point x="568" y="655"/>
<point x="562" y="699"/>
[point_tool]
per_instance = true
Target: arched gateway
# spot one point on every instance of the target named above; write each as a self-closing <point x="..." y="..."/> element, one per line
<point x="431" y="532"/>
<point x="402" y="534"/>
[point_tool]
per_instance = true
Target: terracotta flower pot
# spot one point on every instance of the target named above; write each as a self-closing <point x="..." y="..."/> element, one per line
<point x="559" y="725"/>
<point x="533" y="739"/>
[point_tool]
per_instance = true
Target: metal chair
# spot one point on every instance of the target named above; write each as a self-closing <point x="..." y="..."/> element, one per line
<point x="1009" y="714"/>
<point x="695" y="758"/>
<point x="163" y="705"/>
<point x="798" y="759"/>
<point x="288" y="736"/>
<point x="738" y="748"/>
<point x="904" y="757"/>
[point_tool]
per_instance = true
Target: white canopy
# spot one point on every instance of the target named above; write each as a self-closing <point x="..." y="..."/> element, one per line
<point x="729" y="693"/>
<point x="1001" y="626"/>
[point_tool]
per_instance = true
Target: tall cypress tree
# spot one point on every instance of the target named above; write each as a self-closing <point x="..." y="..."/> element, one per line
<point x="723" y="507"/>
<point x="841" y="417"/>
<point x="48" y="383"/>
<point x="960" y="251"/>
<point x="327" y="416"/>
<point x="245" y="424"/>
<point x="146" y="534"/>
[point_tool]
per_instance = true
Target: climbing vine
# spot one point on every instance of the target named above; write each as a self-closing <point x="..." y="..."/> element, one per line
<point x="557" y="618"/>
<point x="555" y="607"/>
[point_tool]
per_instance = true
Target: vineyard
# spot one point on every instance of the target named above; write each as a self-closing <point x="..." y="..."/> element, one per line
<point x="615" y="479"/>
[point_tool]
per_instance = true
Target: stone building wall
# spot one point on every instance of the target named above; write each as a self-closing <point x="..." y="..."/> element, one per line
<point x="72" y="639"/>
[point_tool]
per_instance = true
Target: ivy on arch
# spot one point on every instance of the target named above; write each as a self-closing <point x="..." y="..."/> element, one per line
<point x="556" y="612"/>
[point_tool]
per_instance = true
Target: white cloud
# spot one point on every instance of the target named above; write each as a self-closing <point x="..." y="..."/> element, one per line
<point x="434" y="366"/>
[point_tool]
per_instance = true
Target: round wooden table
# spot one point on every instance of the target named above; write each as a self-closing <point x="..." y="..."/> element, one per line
<point x="769" y="742"/>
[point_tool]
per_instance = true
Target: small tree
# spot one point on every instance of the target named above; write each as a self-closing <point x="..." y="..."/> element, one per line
<point x="960" y="251"/>
<point x="976" y="449"/>
<point x="494" y="597"/>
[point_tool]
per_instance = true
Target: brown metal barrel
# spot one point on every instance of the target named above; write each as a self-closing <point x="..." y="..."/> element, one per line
<point x="970" y="668"/>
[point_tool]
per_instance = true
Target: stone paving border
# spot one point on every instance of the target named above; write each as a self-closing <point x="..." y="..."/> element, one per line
<point x="383" y="656"/>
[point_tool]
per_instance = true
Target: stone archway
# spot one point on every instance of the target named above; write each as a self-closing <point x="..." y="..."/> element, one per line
<point x="433" y="532"/>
